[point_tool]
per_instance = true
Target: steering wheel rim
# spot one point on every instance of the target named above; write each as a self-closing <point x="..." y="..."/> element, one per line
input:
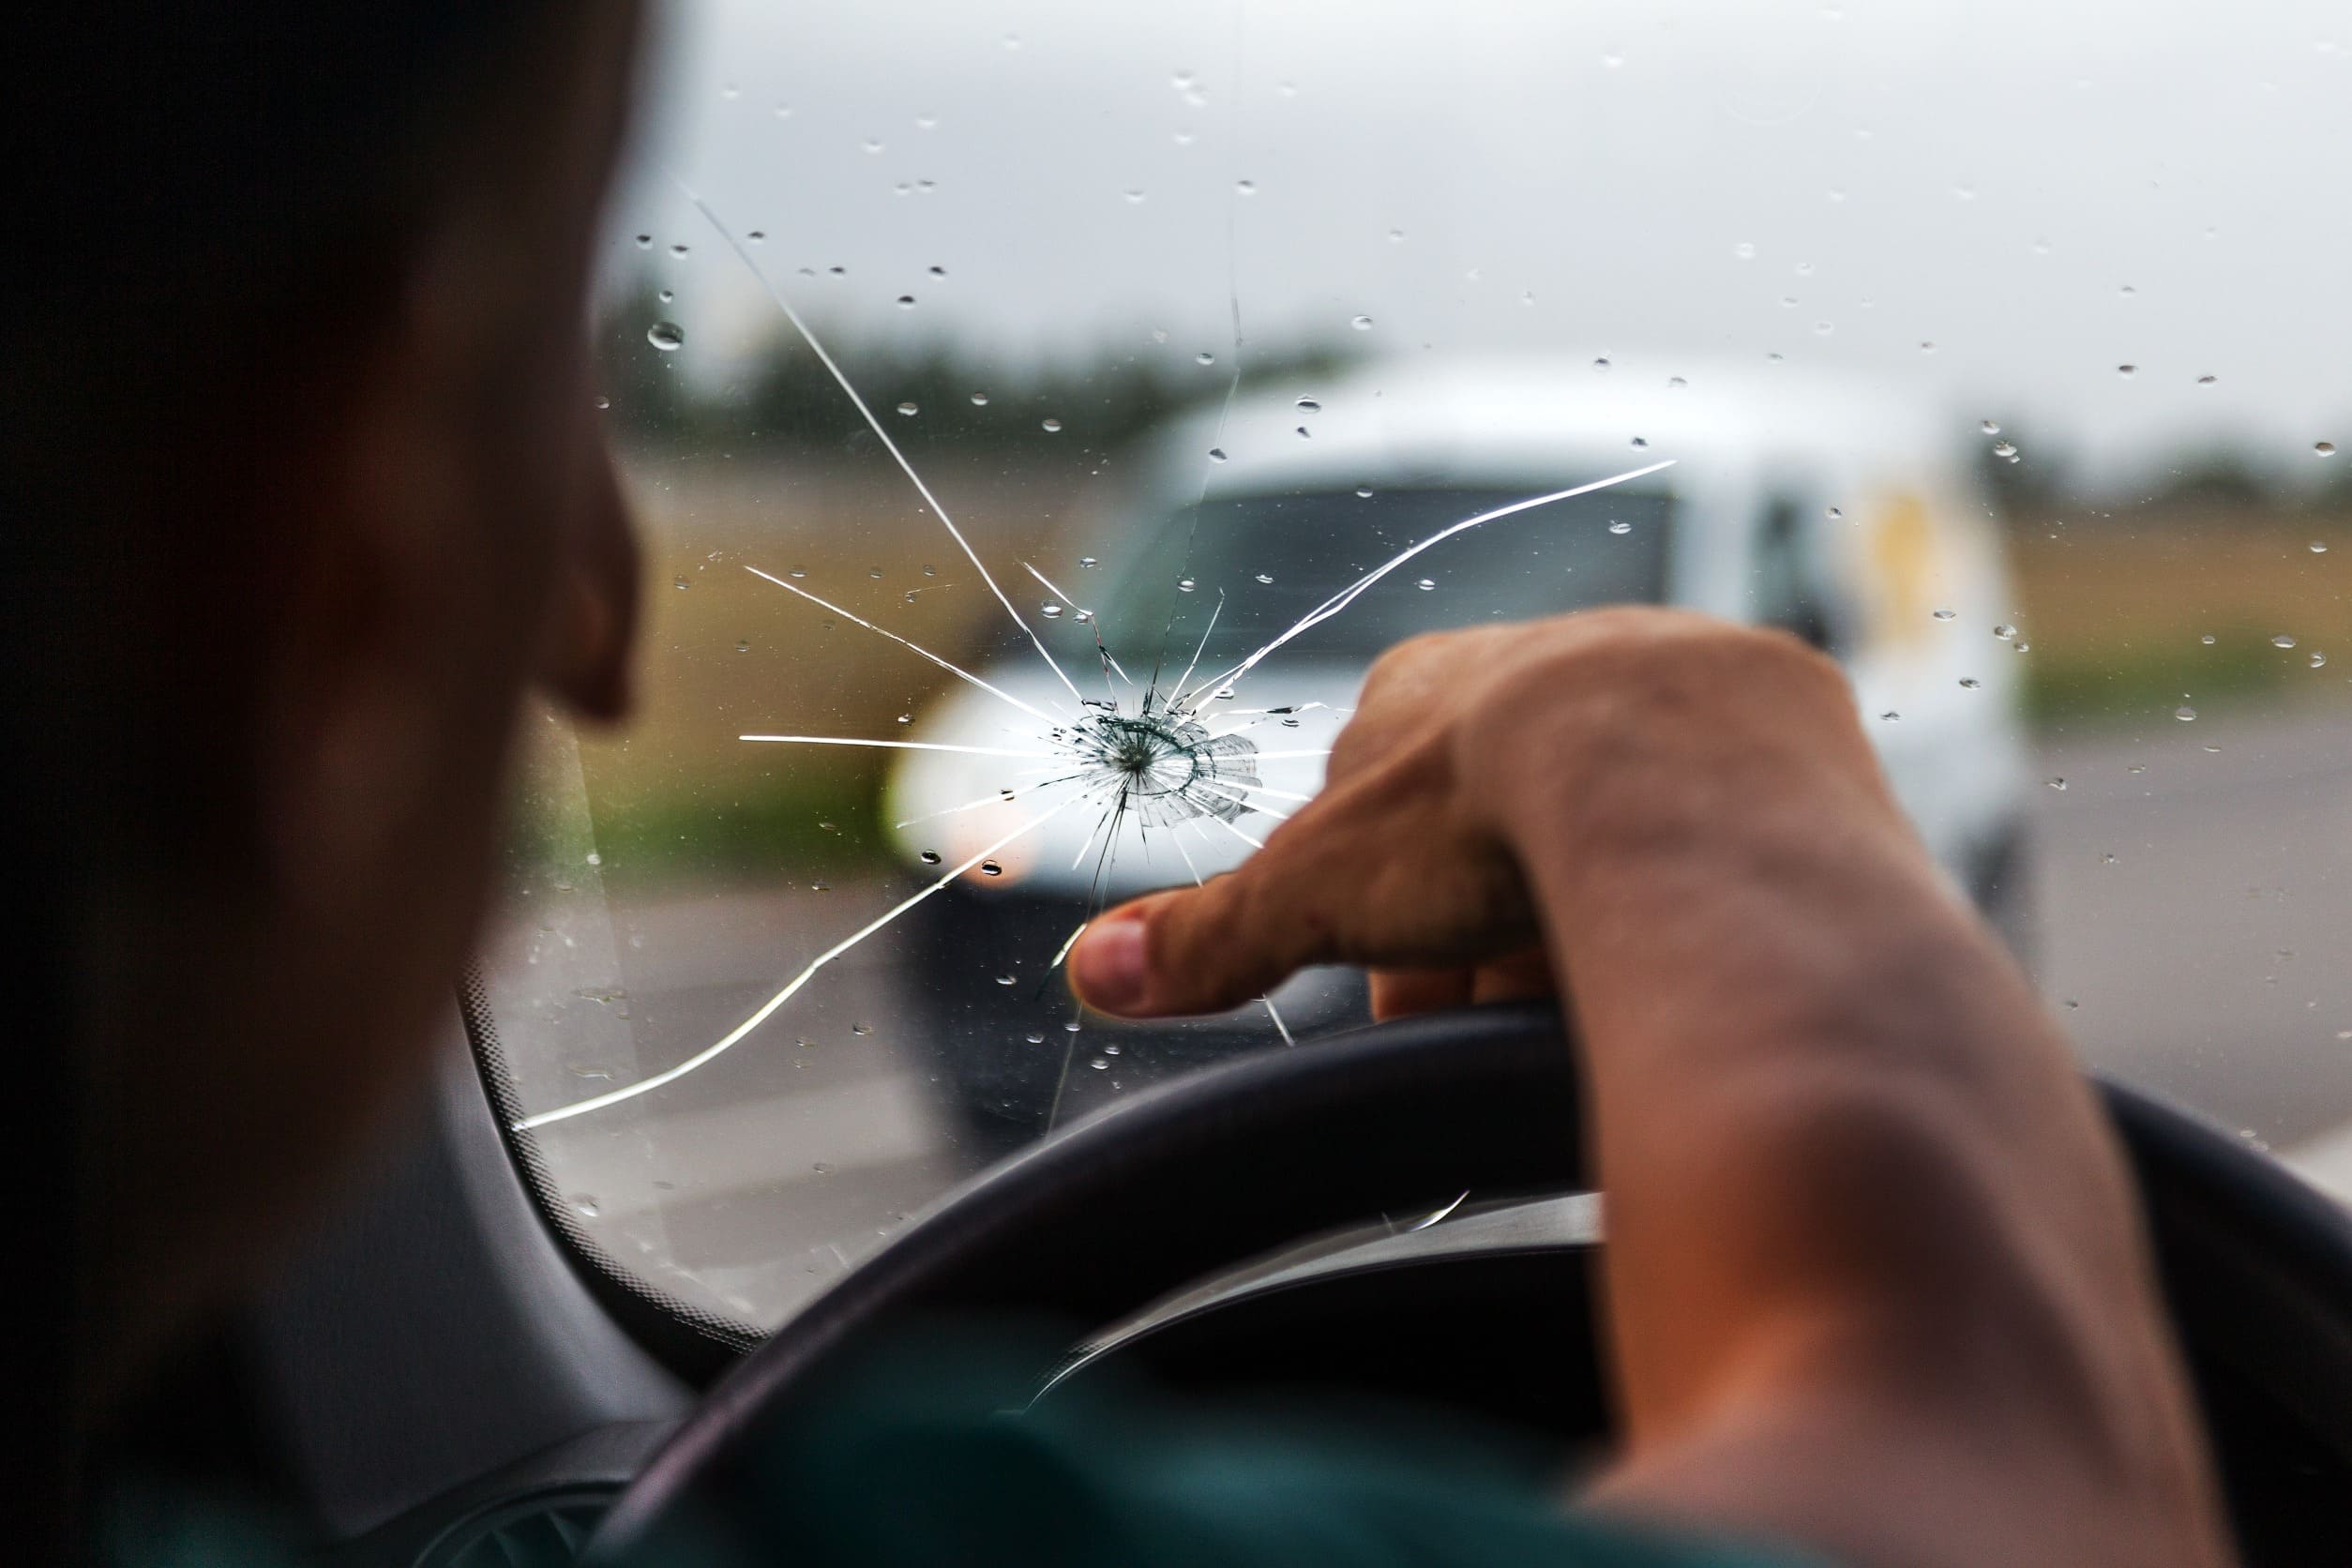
<point x="1110" y="1215"/>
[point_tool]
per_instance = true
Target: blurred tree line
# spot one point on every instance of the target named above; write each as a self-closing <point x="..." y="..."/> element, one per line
<point x="785" y="399"/>
<point x="2206" y="484"/>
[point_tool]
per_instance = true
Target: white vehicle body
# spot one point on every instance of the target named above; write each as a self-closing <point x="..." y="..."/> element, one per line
<point x="1842" y="503"/>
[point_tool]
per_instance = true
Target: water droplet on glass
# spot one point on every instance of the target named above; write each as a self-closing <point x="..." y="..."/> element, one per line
<point x="678" y="250"/>
<point x="2318" y="660"/>
<point x="1245" y="188"/>
<point x="1049" y="424"/>
<point x="2004" y="449"/>
<point x="1743" y="251"/>
<point x="679" y="583"/>
<point x="990" y="868"/>
<point x="756" y="235"/>
<point x="930" y="857"/>
<point x="979" y="399"/>
<point x="1050" y="611"/>
<point x="1100" y="1063"/>
<point x="1185" y="586"/>
<point x="2056" y="783"/>
<point x="905" y="302"/>
<point x="1072" y="1027"/>
<point x="2323" y="448"/>
<point x="1676" y="384"/>
<point x="1308" y="405"/>
<point x="1945" y="614"/>
<point x="644" y="242"/>
<point x="1969" y="682"/>
<point x="1005" y="980"/>
<point x="1265" y="576"/>
<point x="1089" y="561"/>
<point x="2207" y="639"/>
<point x="586" y="1205"/>
<point x="2022" y="645"/>
<point x="2004" y="632"/>
<point x="604" y="403"/>
<point x="1890" y="716"/>
<point x="1990" y="426"/>
<point x="1034" y="1039"/>
<point x="910" y="410"/>
<point x="1621" y="527"/>
<point x="2319" y="547"/>
<point x="1362" y="323"/>
<point x="1601" y="365"/>
<point x="2206" y="381"/>
<point x="1204" y="358"/>
<point x="861" y="1029"/>
<point x="1426" y="584"/>
<point x="666" y="336"/>
<point x="667" y="295"/>
<point x="2283" y="641"/>
<point x="1216" y="453"/>
<point x="2127" y="371"/>
<point x="743" y="644"/>
<point x="1641" y="440"/>
<point x="1135" y="198"/>
<point x="2184" y="713"/>
<point x="1363" y="492"/>
<point x="797" y="571"/>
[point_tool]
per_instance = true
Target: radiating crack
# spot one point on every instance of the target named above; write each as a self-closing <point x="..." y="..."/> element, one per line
<point x="1156" y="764"/>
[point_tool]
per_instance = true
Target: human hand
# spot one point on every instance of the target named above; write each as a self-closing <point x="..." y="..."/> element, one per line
<point x="1411" y="860"/>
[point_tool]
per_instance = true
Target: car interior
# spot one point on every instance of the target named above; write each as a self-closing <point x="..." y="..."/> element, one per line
<point x="449" y="1379"/>
<point x="710" y="1120"/>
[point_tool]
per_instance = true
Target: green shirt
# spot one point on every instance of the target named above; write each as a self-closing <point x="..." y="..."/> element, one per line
<point x="923" y="1466"/>
<point x="923" y="1462"/>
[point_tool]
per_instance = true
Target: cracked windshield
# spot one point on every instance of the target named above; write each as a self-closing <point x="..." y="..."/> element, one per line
<point x="1039" y="415"/>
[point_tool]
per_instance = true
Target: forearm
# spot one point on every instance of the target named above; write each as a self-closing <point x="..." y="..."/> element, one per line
<point x="1859" y="1200"/>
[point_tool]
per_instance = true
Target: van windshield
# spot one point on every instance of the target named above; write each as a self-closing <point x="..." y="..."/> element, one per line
<point x="1275" y="558"/>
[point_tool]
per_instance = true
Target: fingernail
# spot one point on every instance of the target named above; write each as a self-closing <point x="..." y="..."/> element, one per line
<point x="1109" y="967"/>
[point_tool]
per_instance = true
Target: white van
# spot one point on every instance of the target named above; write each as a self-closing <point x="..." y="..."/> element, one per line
<point x="1840" y="510"/>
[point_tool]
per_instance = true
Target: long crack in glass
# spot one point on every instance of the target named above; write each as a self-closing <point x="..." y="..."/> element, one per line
<point x="1144" y="758"/>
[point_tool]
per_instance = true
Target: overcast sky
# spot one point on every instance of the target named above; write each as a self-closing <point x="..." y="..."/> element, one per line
<point x="2043" y="190"/>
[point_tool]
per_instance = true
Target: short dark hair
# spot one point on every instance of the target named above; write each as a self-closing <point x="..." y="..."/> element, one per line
<point x="194" y="172"/>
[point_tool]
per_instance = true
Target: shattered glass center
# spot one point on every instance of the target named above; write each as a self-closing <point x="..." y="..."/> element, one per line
<point x="1169" y="768"/>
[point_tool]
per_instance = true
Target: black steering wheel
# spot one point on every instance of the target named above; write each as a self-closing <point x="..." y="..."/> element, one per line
<point x="1169" y="1185"/>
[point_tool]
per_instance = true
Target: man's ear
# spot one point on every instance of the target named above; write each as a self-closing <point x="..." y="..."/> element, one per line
<point x="591" y="618"/>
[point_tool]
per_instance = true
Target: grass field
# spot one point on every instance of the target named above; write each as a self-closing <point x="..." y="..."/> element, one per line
<point x="2117" y="610"/>
<point x="725" y="653"/>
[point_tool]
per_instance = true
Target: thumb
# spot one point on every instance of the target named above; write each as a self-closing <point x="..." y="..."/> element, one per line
<point x="1198" y="950"/>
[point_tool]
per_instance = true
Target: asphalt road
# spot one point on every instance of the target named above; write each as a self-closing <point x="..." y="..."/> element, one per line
<point x="2195" y="903"/>
<point x="2194" y="898"/>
